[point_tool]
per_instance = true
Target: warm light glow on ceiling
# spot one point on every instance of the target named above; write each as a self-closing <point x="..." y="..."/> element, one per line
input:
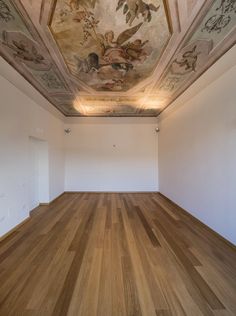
<point x="150" y="103"/>
<point x="88" y="106"/>
<point x="78" y="107"/>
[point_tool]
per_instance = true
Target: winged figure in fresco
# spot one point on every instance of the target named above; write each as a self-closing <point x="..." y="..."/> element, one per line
<point x="117" y="54"/>
<point x="188" y="60"/>
<point x="134" y="8"/>
<point x="25" y="50"/>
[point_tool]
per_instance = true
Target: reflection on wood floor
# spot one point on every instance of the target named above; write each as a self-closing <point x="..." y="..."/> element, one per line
<point x="115" y="254"/>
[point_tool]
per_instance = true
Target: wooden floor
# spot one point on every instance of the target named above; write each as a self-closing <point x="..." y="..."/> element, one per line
<point x="115" y="254"/>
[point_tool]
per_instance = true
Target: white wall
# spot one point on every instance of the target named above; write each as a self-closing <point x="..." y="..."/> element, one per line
<point x="92" y="162"/>
<point x="197" y="154"/>
<point x="20" y="118"/>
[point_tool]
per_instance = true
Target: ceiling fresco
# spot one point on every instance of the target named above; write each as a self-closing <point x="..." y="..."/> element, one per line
<point x="114" y="58"/>
<point x="110" y="45"/>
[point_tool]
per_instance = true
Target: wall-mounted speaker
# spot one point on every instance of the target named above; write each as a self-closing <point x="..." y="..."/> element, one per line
<point x="67" y="131"/>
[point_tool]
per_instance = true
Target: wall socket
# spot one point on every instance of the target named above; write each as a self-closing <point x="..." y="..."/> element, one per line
<point x="2" y="218"/>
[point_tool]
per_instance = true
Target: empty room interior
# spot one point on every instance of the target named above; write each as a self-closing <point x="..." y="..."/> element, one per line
<point x="117" y="157"/>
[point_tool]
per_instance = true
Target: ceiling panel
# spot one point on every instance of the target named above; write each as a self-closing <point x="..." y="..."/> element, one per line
<point x="114" y="58"/>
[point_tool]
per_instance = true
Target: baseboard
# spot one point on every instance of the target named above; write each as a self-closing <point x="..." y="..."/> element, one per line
<point x="36" y="210"/>
<point x="199" y="222"/>
<point x="31" y="213"/>
<point x="43" y="204"/>
<point x="58" y="197"/>
<point x="118" y="192"/>
<point x="14" y="229"/>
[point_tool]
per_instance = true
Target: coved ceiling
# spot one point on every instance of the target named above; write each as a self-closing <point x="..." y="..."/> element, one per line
<point x="114" y="57"/>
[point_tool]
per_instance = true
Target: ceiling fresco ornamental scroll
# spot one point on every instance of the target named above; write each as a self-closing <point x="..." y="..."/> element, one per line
<point x="114" y="58"/>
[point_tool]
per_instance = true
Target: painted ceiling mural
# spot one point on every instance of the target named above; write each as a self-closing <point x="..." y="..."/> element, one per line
<point x="110" y="45"/>
<point x="114" y="58"/>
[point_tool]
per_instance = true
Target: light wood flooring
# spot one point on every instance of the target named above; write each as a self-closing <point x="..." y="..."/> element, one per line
<point x="91" y="254"/>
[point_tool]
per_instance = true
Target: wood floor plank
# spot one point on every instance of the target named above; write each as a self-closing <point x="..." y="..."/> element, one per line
<point x="116" y="254"/>
<point x="130" y="287"/>
<point x="118" y="299"/>
<point x="147" y="228"/>
<point x="105" y="290"/>
<point x="144" y="248"/>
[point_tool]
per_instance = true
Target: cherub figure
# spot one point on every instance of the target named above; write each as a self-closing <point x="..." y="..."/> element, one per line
<point x="134" y="8"/>
<point x="135" y="50"/>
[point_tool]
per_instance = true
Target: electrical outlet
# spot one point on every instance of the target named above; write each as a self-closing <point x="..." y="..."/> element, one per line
<point x="2" y="218"/>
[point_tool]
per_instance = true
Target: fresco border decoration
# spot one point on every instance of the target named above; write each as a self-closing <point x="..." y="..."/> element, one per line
<point x="23" y="48"/>
<point x="218" y="17"/>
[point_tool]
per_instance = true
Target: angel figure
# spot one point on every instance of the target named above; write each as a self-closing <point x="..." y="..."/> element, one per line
<point x="115" y="51"/>
<point x="115" y="54"/>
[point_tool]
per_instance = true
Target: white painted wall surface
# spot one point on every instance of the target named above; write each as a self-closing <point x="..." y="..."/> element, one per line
<point x="197" y="154"/>
<point x="111" y="154"/>
<point x="20" y="118"/>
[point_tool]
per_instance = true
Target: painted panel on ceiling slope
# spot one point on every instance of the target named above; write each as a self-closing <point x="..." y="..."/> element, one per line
<point x="197" y="52"/>
<point x="22" y="47"/>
